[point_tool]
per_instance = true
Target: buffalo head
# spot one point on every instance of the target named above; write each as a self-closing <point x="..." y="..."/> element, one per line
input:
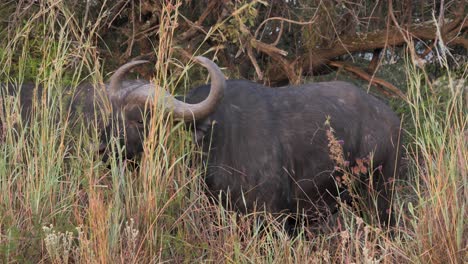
<point x="132" y="102"/>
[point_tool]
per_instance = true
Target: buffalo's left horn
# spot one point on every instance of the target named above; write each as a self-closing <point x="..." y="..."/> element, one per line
<point x="115" y="81"/>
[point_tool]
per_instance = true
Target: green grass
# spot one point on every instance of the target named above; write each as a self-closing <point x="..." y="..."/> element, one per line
<point x="58" y="203"/>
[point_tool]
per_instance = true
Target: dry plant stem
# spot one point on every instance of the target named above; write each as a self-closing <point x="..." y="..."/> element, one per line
<point x="2" y="123"/>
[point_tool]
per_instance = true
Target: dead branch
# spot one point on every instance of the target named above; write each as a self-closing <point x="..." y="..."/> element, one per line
<point x="279" y="56"/>
<point x="370" y="41"/>
<point x="254" y="62"/>
<point x="458" y="41"/>
<point x="194" y="27"/>
<point x="282" y="19"/>
<point x="363" y="75"/>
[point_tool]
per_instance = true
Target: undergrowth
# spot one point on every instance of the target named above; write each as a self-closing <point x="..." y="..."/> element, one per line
<point x="60" y="204"/>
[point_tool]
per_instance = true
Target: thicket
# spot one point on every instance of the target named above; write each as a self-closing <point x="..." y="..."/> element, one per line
<point x="59" y="204"/>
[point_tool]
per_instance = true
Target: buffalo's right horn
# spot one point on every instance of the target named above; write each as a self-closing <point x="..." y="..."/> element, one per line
<point x="201" y="110"/>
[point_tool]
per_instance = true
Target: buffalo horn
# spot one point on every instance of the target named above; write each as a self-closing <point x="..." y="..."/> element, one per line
<point x="180" y="109"/>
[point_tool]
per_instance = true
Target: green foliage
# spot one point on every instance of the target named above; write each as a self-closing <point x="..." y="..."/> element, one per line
<point x="234" y="30"/>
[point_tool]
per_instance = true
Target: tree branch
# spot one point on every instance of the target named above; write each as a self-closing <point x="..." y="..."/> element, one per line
<point x="369" y="41"/>
<point x="374" y="81"/>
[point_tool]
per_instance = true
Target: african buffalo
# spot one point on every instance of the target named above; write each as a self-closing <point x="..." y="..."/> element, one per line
<point x="269" y="147"/>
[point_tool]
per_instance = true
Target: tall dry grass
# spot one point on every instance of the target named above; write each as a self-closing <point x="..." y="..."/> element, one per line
<point x="60" y="204"/>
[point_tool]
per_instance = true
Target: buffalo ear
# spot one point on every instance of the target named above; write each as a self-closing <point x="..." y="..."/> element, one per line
<point x="200" y="130"/>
